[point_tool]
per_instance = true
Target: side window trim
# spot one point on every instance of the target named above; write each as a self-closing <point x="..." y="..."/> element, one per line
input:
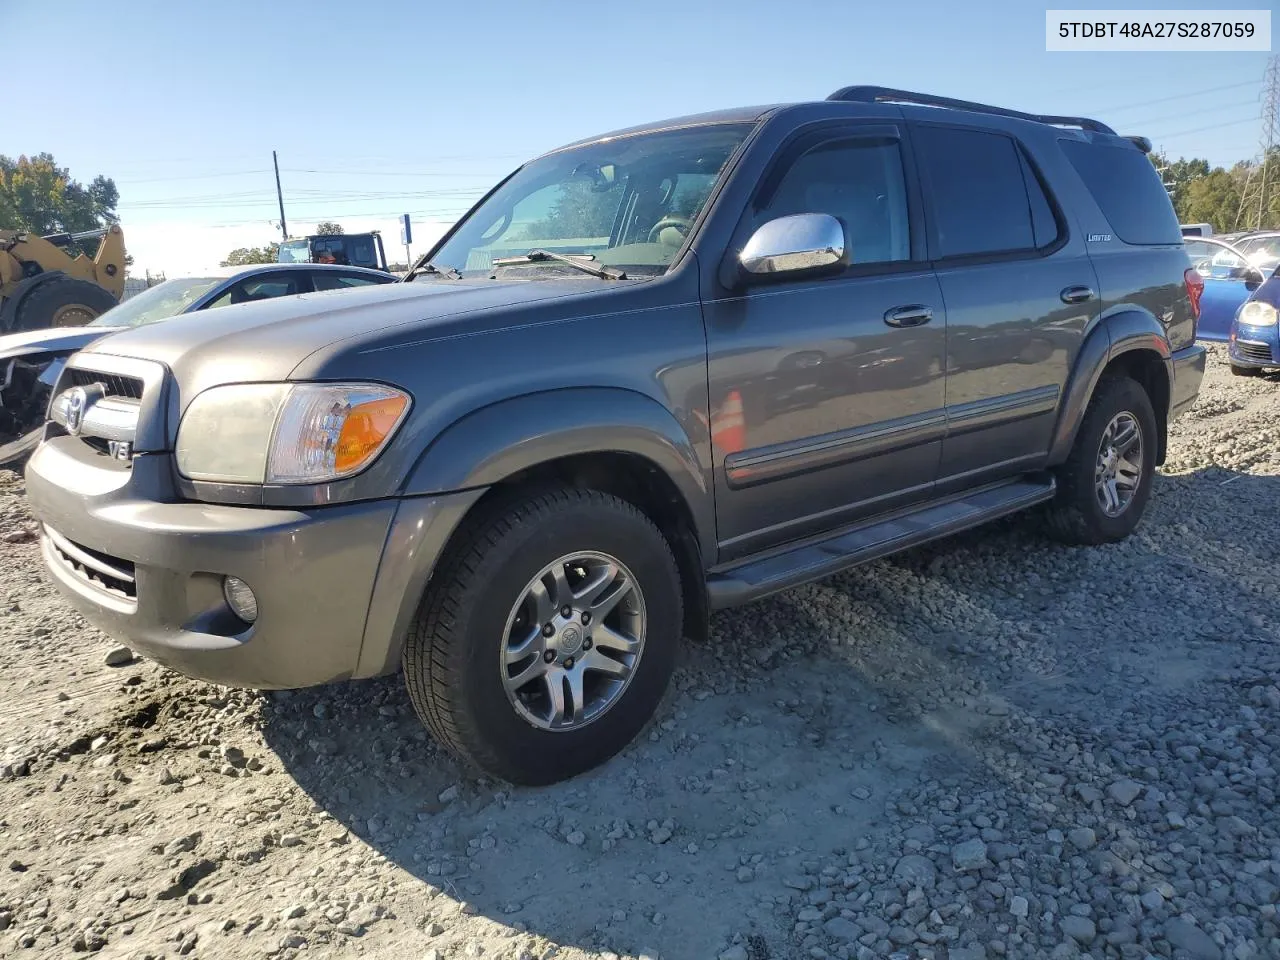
<point x="813" y="136"/>
<point x="1032" y="169"/>
<point x="1026" y="162"/>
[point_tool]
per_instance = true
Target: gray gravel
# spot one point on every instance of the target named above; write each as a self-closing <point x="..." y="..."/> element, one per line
<point x="992" y="747"/>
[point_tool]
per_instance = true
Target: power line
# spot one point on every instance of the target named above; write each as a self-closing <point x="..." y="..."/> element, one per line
<point x="264" y="199"/>
<point x="441" y="216"/>
<point x="1180" y="96"/>
<point x="197" y="176"/>
<point x="1212" y="126"/>
<point x="1183" y="114"/>
<point x="390" y="173"/>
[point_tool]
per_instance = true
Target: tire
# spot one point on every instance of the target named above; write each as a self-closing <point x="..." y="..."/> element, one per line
<point x="62" y="302"/>
<point x="15" y="453"/>
<point x="454" y="663"/>
<point x="1076" y="515"/>
<point x="1246" y="371"/>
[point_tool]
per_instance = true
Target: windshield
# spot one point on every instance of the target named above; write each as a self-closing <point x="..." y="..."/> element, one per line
<point x="629" y="202"/>
<point x="161" y="302"/>
<point x="294" y="251"/>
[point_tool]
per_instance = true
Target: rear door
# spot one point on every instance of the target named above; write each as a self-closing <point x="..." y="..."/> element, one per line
<point x="1020" y="292"/>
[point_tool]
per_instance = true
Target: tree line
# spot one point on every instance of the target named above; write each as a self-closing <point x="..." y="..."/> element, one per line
<point x="267" y="253"/>
<point x="1205" y="194"/>
<point x="38" y="196"/>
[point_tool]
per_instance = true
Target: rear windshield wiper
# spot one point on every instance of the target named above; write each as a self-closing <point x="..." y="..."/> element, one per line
<point x="583" y="263"/>
<point x="450" y="273"/>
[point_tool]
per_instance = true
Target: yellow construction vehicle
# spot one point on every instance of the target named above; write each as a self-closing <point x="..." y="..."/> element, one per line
<point x="47" y="282"/>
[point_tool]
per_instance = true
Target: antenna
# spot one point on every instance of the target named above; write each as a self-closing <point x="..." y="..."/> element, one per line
<point x="1257" y="187"/>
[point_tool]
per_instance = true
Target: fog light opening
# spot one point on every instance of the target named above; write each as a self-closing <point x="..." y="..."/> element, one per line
<point x="240" y="599"/>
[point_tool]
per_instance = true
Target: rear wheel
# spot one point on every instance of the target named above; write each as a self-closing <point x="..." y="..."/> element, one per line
<point x="1105" y="483"/>
<point x="547" y="636"/>
<point x="62" y="302"/>
<point x="1245" y="371"/>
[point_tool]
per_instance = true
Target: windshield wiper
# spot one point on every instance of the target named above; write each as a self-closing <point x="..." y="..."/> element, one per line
<point x="582" y="263"/>
<point x="450" y="273"/>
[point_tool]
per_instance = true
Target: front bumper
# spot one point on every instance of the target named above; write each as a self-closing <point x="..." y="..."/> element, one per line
<point x="1188" y="372"/>
<point x="337" y="586"/>
<point x="1256" y="347"/>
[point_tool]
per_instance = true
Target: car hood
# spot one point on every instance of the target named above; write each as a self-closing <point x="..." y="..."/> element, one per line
<point x="268" y="340"/>
<point x="50" y="340"/>
<point x="1269" y="292"/>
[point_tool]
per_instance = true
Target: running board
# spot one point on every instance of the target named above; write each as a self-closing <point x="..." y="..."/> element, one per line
<point x="815" y="559"/>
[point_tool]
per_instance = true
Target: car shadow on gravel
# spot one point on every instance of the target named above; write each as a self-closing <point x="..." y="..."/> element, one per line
<point x="764" y="756"/>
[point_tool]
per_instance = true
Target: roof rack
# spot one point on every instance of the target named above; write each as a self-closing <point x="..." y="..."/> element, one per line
<point x="865" y="94"/>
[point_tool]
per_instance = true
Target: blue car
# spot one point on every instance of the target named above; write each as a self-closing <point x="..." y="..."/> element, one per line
<point x="1229" y="280"/>
<point x="1254" y="343"/>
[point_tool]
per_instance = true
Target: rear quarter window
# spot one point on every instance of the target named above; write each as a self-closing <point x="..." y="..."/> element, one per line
<point x="1127" y="189"/>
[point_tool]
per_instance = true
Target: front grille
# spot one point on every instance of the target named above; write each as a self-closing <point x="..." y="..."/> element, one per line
<point x="116" y="385"/>
<point x="1259" y="353"/>
<point x="103" y="572"/>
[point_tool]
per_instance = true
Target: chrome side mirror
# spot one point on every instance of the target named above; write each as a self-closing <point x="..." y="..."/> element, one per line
<point x="800" y="243"/>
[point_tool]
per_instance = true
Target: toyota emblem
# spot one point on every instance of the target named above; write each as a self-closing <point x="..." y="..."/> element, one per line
<point x="77" y="400"/>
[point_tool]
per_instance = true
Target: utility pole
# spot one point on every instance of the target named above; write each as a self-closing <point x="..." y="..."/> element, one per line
<point x="1257" y="189"/>
<point x="284" y="230"/>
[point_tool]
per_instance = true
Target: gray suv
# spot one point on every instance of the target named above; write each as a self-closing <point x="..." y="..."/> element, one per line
<point x="648" y="376"/>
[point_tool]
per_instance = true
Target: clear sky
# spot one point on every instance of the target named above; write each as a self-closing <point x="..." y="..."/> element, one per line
<point x="382" y="108"/>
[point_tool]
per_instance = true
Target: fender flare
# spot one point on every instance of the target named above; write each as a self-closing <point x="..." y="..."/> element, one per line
<point x="495" y="442"/>
<point x="1125" y="331"/>
<point x="9" y="308"/>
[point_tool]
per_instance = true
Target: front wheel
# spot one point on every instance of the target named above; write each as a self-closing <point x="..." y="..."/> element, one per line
<point x="1105" y="483"/>
<point x="547" y="636"/>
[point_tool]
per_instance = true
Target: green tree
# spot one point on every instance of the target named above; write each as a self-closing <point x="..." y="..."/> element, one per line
<point x="37" y="195"/>
<point x="1178" y="175"/>
<point x="1213" y="198"/>
<point x="579" y="211"/>
<point x="327" y="228"/>
<point x="242" y="256"/>
<point x="1261" y="206"/>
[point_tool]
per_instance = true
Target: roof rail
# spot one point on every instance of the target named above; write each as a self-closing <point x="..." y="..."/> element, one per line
<point x="866" y="94"/>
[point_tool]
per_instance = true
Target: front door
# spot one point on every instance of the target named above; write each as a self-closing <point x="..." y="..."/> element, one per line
<point x="827" y="394"/>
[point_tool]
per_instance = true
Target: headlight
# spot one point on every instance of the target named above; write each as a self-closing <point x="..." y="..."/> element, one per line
<point x="287" y="433"/>
<point x="1257" y="314"/>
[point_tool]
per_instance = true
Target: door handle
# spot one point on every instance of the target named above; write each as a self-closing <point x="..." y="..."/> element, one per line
<point x="1080" y="294"/>
<point x="912" y="315"/>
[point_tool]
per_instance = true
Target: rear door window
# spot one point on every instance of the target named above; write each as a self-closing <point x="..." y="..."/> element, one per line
<point x="1127" y="189"/>
<point x="984" y="196"/>
<point x="266" y="287"/>
<point x="330" y="280"/>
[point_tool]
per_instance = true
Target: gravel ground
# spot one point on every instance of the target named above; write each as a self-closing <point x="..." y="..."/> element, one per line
<point x="991" y="747"/>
